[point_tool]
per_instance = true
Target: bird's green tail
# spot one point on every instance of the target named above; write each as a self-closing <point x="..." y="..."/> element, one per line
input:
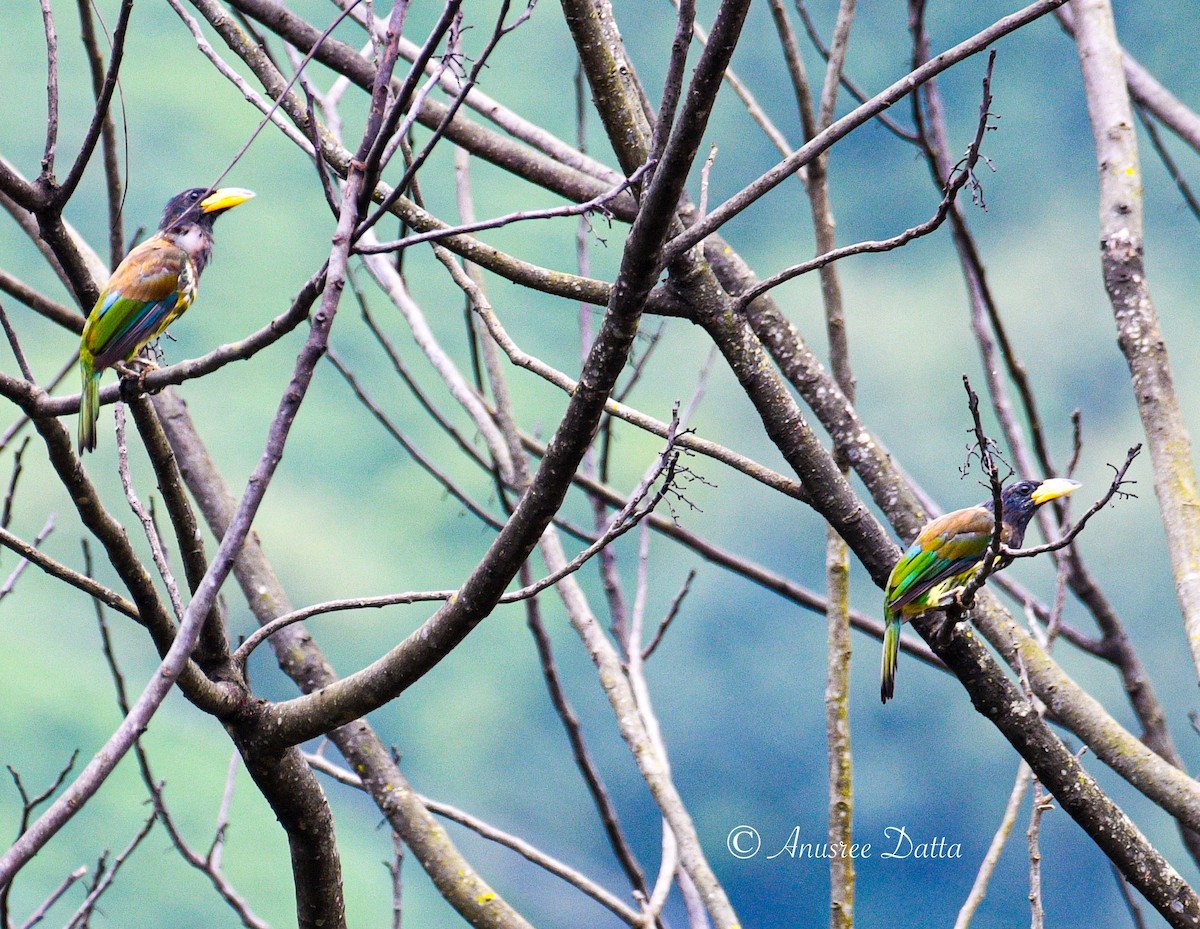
<point x="891" y="655"/>
<point x="89" y="406"/>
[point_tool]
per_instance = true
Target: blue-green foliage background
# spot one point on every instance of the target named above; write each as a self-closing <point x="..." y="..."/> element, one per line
<point x="739" y="682"/>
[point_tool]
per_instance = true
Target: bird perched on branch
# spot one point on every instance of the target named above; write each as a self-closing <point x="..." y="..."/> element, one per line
<point x="947" y="552"/>
<point x="151" y="288"/>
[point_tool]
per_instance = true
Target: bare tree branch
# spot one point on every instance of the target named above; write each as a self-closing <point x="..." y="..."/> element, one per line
<point x="987" y="867"/>
<point x="964" y="174"/>
<point x="842" y="127"/>
<point x="1138" y="331"/>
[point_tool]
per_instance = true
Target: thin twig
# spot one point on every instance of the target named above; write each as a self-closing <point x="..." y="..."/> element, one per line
<point x="688" y="441"/>
<point x="987" y="461"/>
<point x="108" y="134"/>
<point x="213" y="858"/>
<point x="672" y="612"/>
<point x="106" y="876"/>
<point x="596" y="204"/>
<point x="15" y="576"/>
<point x="1168" y="161"/>
<point x="51" y="89"/>
<point x="851" y="121"/>
<point x="835" y="62"/>
<point x="512" y="123"/>
<point x="1131" y="903"/>
<point x="631" y="515"/>
<point x="92" y="588"/>
<point x="40" y="913"/>
<point x="583" y="758"/>
<point x="264" y="632"/>
<point x="490" y="832"/>
<point x="1114" y="489"/>
<point x="10" y="495"/>
<point x="397" y="131"/>
<point x="753" y="108"/>
<point x="395" y="871"/>
<point x="987" y="867"/>
<point x="459" y="387"/>
<point x="31" y="803"/>
<point x="269" y="115"/>
<point x="100" y="118"/>
<point x="855" y="91"/>
<point x="268" y="108"/>
<point x="425" y="462"/>
<point x="15" y="344"/>
<point x="964" y="174"/>
<point x="41" y="304"/>
<point x="157" y="550"/>
<point x="499" y="31"/>
<point x="210" y="864"/>
<point x="1042" y="803"/>
<point x="626" y="519"/>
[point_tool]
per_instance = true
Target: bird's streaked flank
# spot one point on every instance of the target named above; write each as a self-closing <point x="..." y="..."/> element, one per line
<point x="150" y="289"/>
<point x="947" y="552"/>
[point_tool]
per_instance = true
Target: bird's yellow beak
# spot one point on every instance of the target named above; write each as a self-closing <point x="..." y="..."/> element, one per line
<point x="225" y="198"/>
<point x="1054" y="488"/>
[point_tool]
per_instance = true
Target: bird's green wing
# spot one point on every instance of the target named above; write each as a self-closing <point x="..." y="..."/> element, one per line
<point x="147" y="292"/>
<point x="949" y="546"/>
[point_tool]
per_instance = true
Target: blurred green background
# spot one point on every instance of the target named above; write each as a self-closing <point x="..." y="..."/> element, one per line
<point x="738" y="684"/>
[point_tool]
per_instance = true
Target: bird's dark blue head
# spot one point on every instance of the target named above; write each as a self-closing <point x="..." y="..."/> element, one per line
<point x="1020" y="501"/>
<point x="201" y="206"/>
